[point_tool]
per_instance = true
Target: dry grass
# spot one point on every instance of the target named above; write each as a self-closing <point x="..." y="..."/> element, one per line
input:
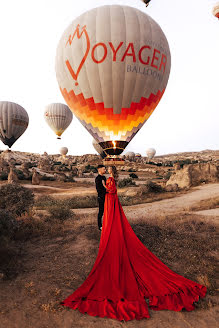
<point x="206" y="204"/>
<point x="54" y="263"/>
<point x="90" y="201"/>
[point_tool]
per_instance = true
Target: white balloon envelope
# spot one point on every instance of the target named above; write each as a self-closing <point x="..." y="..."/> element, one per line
<point x="215" y="10"/>
<point x="150" y="152"/>
<point x="58" y="117"/>
<point x="112" y="67"/>
<point x="14" y="121"/>
<point x="63" y="151"/>
<point x="98" y="148"/>
<point x="129" y="154"/>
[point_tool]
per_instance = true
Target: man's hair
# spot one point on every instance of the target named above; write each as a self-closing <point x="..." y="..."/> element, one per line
<point x="100" y="165"/>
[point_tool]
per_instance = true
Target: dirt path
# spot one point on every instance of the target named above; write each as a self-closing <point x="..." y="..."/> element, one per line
<point x="177" y="204"/>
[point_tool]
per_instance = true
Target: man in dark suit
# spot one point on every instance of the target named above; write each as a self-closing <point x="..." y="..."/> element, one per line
<point x="101" y="191"/>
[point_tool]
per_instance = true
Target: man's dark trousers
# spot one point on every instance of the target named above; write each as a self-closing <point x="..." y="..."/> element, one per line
<point x="101" y="201"/>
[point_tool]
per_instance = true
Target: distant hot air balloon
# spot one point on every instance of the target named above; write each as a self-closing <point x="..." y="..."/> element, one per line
<point x="98" y="148"/>
<point x="14" y="121"/>
<point x="137" y="155"/>
<point x="216" y="10"/>
<point x="130" y="154"/>
<point x="146" y="2"/>
<point x="150" y="152"/>
<point x="58" y="117"/>
<point x="112" y="67"/>
<point x="63" y="151"/>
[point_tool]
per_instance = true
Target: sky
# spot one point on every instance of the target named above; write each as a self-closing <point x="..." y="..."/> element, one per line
<point x="187" y="117"/>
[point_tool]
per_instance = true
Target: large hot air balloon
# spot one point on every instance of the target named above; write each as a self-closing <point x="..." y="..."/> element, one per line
<point x="216" y="10"/>
<point x="13" y="122"/>
<point x="112" y="66"/>
<point x="150" y="152"/>
<point x="98" y="148"/>
<point x="58" y="117"/>
<point x="63" y="151"/>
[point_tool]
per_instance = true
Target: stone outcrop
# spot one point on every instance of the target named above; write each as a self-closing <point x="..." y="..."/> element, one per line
<point x="25" y="169"/>
<point x="44" y="164"/>
<point x="172" y="187"/>
<point x="35" y="178"/>
<point x="12" y="176"/>
<point x="194" y="174"/>
<point x="176" y="166"/>
<point x="60" y="176"/>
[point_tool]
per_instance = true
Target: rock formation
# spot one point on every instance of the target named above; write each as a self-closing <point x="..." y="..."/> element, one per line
<point x="12" y="176"/>
<point x="194" y="174"/>
<point x="35" y="177"/>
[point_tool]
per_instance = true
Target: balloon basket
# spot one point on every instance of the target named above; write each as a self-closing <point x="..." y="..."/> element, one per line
<point x="113" y="160"/>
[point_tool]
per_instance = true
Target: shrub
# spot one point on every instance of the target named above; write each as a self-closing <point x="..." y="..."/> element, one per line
<point x="133" y="176"/>
<point x="81" y="202"/>
<point x="131" y="170"/>
<point x="153" y="187"/>
<point x="3" y="176"/>
<point x="43" y="202"/>
<point x="32" y="165"/>
<point x="126" y="182"/>
<point x="168" y="175"/>
<point x="46" y="178"/>
<point x="16" y="199"/>
<point x="20" y="174"/>
<point x="8" y="223"/>
<point x="60" y="212"/>
<point x="70" y="179"/>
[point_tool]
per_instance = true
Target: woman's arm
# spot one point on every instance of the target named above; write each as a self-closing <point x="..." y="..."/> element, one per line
<point x="104" y="184"/>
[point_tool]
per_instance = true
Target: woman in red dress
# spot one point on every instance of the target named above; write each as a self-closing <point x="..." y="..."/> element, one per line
<point x="126" y="273"/>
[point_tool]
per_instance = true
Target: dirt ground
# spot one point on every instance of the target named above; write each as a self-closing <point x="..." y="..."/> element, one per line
<point x="49" y="268"/>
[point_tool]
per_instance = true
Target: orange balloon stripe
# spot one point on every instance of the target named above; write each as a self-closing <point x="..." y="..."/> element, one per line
<point x="104" y="119"/>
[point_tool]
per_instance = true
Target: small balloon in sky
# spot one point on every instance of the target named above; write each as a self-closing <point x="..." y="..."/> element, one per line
<point x="112" y="67"/>
<point x="215" y="10"/>
<point x="58" y="117"/>
<point x="14" y="121"/>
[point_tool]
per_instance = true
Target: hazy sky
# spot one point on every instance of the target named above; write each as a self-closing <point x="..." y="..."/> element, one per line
<point x="187" y="117"/>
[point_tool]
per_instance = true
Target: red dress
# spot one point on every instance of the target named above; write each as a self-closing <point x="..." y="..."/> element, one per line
<point x="126" y="272"/>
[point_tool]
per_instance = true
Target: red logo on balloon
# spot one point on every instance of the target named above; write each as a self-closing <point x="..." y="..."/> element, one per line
<point x="70" y="39"/>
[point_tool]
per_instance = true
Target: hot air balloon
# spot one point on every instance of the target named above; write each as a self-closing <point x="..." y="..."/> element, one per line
<point x="137" y="155"/>
<point x="63" y="151"/>
<point x="130" y="154"/>
<point x="150" y="152"/>
<point x="216" y="10"/>
<point x="58" y="117"/>
<point x="146" y="2"/>
<point x="112" y="67"/>
<point x="98" y="148"/>
<point x="13" y="122"/>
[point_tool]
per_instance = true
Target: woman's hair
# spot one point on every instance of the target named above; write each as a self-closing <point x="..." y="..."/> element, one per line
<point x="115" y="173"/>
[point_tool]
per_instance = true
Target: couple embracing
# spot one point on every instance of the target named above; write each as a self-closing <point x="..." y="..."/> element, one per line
<point x="127" y="278"/>
<point x="103" y="188"/>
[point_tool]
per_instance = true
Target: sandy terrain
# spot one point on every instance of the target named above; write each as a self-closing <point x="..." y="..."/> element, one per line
<point x="52" y="268"/>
